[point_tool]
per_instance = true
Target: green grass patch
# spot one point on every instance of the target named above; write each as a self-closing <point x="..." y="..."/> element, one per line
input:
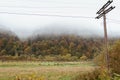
<point x="37" y="64"/>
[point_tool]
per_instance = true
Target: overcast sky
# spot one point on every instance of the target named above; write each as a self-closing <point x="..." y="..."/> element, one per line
<point x="25" y="25"/>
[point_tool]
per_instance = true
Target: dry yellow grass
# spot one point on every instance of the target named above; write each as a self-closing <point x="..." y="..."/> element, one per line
<point x="46" y="69"/>
<point x="51" y="72"/>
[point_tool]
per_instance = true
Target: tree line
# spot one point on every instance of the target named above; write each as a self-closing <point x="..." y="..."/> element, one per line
<point x="51" y="46"/>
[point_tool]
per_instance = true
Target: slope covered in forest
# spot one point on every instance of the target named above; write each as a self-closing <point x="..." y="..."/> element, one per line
<point x="50" y="46"/>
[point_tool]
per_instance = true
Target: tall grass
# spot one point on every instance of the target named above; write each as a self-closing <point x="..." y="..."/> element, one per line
<point x="32" y="70"/>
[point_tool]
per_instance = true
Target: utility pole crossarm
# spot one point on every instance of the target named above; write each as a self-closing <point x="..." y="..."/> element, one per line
<point x="105" y="12"/>
<point x="109" y="9"/>
<point x="104" y="6"/>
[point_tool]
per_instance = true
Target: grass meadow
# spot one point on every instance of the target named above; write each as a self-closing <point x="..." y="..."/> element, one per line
<point x="28" y="70"/>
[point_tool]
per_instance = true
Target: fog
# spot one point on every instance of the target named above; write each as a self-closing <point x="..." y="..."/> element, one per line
<point x="61" y="29"/>
<point x="58" y="29"/>
<point x="25" y="26"/>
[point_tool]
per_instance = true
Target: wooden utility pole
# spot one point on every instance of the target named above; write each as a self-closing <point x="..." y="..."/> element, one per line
<point x="102" y="13"/>
<point x="106" y="42"/>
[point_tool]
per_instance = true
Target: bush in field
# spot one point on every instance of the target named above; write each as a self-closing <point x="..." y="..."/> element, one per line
<point x="3" y="52"/>
<point x="115" y="57"/>
<point x="100" y="59"/>
<point x="29" y="77"/>
<point x="74" y="58"/>
<point x="49" y="58"/>
<point x="84" y="58"/>
<point x="66" y="57"/>
<point x="97" y="74"/>
<point x="87" y="76"/>
<point x="114" y="54"/>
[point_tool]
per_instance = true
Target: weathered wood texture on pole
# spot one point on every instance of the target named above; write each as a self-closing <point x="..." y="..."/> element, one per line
<point x="106" y="42"/>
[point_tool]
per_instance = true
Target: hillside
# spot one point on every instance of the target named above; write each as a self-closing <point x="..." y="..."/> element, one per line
<point x="52" y="45"/>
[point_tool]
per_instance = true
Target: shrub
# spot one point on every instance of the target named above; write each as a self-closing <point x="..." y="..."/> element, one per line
<point x="29" y="77"/>
<point x="84" y="58"/>
<point x="100" y="60"/>
<point x="114" y="55"/>
<point x="49" y="58"/>
<point x="97" y="74"/>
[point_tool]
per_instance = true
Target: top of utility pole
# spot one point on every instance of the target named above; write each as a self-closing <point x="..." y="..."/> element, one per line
<point x="103" y="10"/>
<point x="104" y="6"/>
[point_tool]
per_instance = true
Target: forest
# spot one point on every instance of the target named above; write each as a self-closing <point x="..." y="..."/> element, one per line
<point x="50" y="46"/>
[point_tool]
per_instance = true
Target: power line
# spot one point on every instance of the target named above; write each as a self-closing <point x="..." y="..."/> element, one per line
<point x="42" y="7"/>
<point x="55" y="1"/>
<point x="113" y="20"/>
<point x="54" y="15"/>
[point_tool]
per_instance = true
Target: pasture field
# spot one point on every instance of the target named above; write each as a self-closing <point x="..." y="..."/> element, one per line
<point x="43" y="70"/>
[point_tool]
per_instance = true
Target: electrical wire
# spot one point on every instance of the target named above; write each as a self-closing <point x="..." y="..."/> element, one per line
<point x="57" y="15"/>
<point x="55" y="1"/>
<point x="114" y="21"/>
<point x="61" y="7"/>
<point x="54" y="15"/>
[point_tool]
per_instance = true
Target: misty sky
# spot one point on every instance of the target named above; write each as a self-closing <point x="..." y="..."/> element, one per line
<point x="26" y="25"/>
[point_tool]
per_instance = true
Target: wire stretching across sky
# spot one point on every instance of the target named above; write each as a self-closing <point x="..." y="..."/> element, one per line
<point x="59" y="7"/>
<point x="42" y="14"/>
<point x="113" y="21"/>
<point x="52" y="15"/>
<point x="47" y="14"/>
<point x="68" y="2"/>
<point x="68" y="5"/>
<point x="57" y="15"/>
